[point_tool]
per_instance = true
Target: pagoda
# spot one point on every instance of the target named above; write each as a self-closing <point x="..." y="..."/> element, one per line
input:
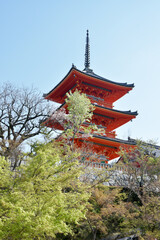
<point x="102" y="94"/>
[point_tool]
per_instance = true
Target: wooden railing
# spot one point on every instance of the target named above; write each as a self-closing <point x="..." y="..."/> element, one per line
<point x="100" y="101"/>
<point x="96" y="164"/>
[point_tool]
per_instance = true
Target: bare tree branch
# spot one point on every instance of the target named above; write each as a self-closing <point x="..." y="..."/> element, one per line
<point x="21" y="113"/>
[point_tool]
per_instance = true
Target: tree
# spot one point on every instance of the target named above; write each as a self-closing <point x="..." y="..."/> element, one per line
<point x="74" y="119"/>
<point x="43" y="197"/>
<point x="141" y="170"/>
<point x="21" y="113"/>
<point x="140" y="177"/>
<point x="109" y="216"/>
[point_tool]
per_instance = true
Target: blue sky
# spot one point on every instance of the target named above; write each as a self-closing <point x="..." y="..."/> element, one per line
<point x="41" y="39"/>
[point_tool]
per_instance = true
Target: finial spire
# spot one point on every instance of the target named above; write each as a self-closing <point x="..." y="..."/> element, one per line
<point x="87" y="53"/>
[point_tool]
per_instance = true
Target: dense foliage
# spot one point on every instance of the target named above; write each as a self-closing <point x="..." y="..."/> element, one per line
<point x="51" y="196"/>
<point x="43" y="197"/>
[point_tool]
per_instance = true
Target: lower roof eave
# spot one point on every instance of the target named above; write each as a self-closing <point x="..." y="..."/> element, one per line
<point x="116" y="140"/>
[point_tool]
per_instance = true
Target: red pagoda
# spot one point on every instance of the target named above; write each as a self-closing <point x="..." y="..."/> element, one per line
<point x="102" y="93"/>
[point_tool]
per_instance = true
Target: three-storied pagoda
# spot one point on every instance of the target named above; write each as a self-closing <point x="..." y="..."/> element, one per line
<point x="102" y="93"/>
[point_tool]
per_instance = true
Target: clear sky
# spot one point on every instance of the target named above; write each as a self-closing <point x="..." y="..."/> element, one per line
<point x="40" y="39"/>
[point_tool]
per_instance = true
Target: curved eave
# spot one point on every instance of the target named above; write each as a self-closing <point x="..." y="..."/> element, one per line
<point x="120" y="117"/>
<point x="46" y="95"/>
<point x="115" y="112"/>
<point x="112" y="142"/>
<point x="93" y="75"/>
<point x="109" y="111"/>
<point x="67" y="83"/>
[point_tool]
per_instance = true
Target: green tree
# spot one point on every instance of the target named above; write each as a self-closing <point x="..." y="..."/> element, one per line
<point x="109" y="215"/>
<point x="45" y="197"/>
<point x="76" y="120"/>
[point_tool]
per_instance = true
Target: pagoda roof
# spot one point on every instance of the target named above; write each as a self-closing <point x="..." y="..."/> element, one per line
<point x="118" y="117"/>
<point x="115" y="140"/>
<point x="114" y="111"/>
<point x="105" y="110"/>
<point x="91" y="73"/>
<point x="121" y="117"/>
<point x="109" y="146"/>
<point x="87" y="76"/>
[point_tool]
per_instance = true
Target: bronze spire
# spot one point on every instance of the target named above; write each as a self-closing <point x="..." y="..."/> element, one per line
<point x="87" y="53"/>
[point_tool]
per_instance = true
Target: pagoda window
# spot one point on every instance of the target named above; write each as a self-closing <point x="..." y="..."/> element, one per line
<point x="95" y="98"/>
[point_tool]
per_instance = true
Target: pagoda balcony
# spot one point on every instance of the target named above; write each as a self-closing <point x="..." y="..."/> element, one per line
<point x="111" y="134"/>
<point x="94" y="99"/>
<point x="95" y="164"/>
<point x="99" y="101"/>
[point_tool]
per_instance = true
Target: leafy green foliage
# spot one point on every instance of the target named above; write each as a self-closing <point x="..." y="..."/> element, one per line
<point x="42" y="198"/>
<point x="108" y="214"/>
<point x="79" y="107"/>
<point x="51" y="197"/>
<point x="80" y="112"/>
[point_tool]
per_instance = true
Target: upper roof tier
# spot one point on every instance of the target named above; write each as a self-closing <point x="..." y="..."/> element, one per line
<point x="76" y="79"/>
